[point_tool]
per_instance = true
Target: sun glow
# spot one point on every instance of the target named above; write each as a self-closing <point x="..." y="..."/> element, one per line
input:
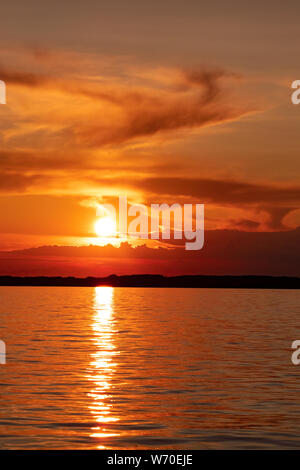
<point x="103" y="365"/>
<point x="105" y="227"/>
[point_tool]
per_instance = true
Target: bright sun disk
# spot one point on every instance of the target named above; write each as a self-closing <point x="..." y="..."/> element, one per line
<point x="105" y="227"/>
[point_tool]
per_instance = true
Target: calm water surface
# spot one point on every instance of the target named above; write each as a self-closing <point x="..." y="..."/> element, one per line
<point x="127" y="368"/>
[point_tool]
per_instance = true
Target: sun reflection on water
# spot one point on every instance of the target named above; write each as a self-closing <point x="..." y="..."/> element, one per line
<point x="103" y="364"/>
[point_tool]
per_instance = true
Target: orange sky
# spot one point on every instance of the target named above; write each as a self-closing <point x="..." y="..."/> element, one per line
<point x="162" y="104"/>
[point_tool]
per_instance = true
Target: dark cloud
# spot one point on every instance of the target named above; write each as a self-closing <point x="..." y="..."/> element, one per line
<point x="147" y="113"/>
<point x="277" y="215"/>
<point x="276" y="200"/>
<point x="220" y="191"/>
<point x="224" y="252"/>
<point x="144" y="111"/>
<point x="244" y="224"/>
<point x="17" y="77"/>
<point x="208" y="80"/>
<point x="16" y="182"/>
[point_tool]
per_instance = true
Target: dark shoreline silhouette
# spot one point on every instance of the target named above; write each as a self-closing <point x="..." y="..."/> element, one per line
<point x="156" y="280"/>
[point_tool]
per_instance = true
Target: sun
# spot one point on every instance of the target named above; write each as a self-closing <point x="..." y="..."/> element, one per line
<point x="105" y="227"/>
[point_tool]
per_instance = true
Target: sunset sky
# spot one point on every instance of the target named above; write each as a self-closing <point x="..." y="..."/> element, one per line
<point x="159" y="101"/>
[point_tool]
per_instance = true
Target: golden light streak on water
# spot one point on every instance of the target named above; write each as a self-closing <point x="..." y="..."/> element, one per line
<point x="102" y="363"/>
